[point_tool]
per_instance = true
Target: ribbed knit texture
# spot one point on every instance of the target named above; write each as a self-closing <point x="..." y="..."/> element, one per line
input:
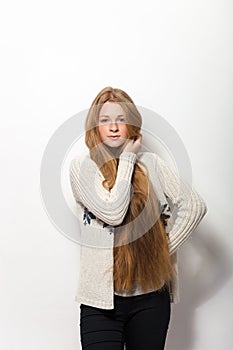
<point x="108" y="209"/>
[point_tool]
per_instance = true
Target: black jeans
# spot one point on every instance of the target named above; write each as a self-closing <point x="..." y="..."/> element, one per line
<point x="140" y="322"/>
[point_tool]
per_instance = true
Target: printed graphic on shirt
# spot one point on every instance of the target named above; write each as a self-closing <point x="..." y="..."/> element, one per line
<point x="88" y="216"/>
<point x="164" y="209"/>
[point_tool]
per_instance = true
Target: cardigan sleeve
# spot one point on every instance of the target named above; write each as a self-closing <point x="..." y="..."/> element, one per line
<point x="109" y="206"/>
<point x="191" y="206"/>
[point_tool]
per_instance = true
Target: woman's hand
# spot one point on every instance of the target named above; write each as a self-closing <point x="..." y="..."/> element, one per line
<point x="133" y="145"/>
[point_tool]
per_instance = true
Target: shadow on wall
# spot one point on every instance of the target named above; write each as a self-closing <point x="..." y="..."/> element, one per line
<point x="214" y="270"/>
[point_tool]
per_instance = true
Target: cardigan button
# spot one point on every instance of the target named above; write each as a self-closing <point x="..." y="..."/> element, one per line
<point x="110" y="231"/>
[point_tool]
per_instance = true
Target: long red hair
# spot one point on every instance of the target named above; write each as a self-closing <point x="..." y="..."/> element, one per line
<point x="141" y="255"/>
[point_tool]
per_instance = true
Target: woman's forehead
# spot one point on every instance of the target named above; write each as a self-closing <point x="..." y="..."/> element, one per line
<point x="111" y="108"/>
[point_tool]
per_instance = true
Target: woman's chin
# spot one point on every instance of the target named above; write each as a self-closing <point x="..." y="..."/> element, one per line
<point x="114" y="144"/>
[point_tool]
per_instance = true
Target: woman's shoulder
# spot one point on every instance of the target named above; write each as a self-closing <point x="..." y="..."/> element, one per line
<point x="150" y="156"/>
<point x="153" y="157"/>
<point x="78" y="160"/>
<point x="155" y="163"/>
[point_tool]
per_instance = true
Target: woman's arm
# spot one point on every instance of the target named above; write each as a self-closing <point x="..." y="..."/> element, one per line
<point x="191" y="206"/>
<point x="111" y="206"/>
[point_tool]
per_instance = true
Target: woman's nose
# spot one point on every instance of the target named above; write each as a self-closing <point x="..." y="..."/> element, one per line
<point x="113" y="126"/>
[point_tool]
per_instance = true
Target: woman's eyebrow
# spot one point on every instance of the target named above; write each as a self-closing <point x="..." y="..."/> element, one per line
<point x="106" y="115"/>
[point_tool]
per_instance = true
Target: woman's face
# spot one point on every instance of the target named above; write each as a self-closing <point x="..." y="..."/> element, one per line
<point x="112" y="124"/>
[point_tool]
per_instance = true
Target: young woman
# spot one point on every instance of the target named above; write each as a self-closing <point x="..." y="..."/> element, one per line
<point x="128" y="258"/>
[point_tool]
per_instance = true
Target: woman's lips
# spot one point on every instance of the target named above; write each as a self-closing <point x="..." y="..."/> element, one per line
<point x="114" y="137"/>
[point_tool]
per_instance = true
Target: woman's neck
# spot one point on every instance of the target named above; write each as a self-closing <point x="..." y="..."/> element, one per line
<point x="114" y="150"/>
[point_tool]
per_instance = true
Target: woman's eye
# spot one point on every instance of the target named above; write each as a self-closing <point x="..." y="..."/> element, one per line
<point x="105" y="120"/>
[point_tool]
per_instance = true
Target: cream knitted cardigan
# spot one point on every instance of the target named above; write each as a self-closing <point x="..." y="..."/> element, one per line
<point x="99" y="210"/>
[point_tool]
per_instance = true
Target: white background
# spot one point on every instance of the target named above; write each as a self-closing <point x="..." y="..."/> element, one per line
<point x="174" y="57"/>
